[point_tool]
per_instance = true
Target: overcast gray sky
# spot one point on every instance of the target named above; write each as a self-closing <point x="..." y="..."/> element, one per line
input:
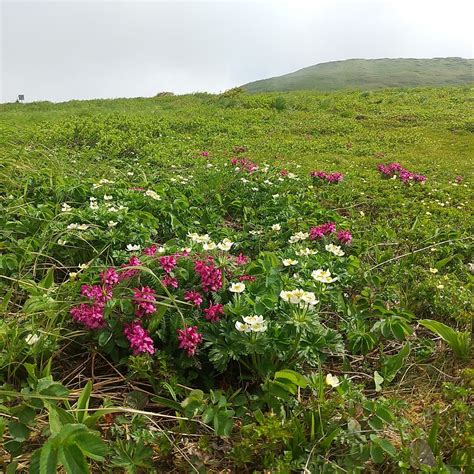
<point x="92" y="49"/>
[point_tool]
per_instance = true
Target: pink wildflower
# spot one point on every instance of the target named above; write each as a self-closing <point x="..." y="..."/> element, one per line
<point x="168" y="280"/>
<point x="211" y="277"/>
<point x="145" y="301"/>
<point x="130" y="272"/>
<point x="247" y="278"/>
<point x="344" y="236"/>
<point x="109" y="277"/>
<point x="168" y="263"/>
<point x="150" y="251"/>
<point x="205" y="154"/>
<point x="90" y="315"/>
<point x="189" y="339"/>
<point x="97" y="293"/>
<point x="284" y="172"/>
<point x="194" y="297"/>
<point x="320" y="231"/>
<point x="241" y="259"/>
<point x="213" y="312"/>
<point x="140" y="341"/>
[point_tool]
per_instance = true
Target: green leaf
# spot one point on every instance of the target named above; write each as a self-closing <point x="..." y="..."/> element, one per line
<point x="391" y="365"/>
<point x="376" y="453"/>
<point x="91" y="445"/>
<point x="83" y="402"/>
<point x="378" y="379"/>
<point x="459" y="342"/>
<point x="48" y="281"/>
<point x="167" y="403"/>
<point x="385" y="444"/>
<point x="58" y="417"/>
<point x="293" y="376"/>
<point x="48" y="458"/>
<point x="73" y="459"/>
<point x="375" y="423"/>
<point x="18" y="431"/>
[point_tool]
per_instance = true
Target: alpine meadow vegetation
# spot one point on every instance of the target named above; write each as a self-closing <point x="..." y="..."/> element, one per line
<point x="275" y="282"/>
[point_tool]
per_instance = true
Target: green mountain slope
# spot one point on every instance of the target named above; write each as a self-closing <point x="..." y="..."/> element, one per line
<point x="371" y="74"/>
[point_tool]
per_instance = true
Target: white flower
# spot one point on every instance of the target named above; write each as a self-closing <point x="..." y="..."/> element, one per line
<point x="305" y="252"/>
<point x="83" y="266"/>
<point x="62" y="242"/>
<point x="275" y="196"/>
<point x="161" y="250"/>
<point x="209" y="245"/>
<point x="244" y="180"/>
<point x="107" y="197"/>
<point x="237" y="287"/>
<point x="267" y="181"/>
<point x="252" y="324"/>
<point x="335" y="249"/>
<point x="225" y="245"/>
<point x="112" y="209"/>
<point x="72" y="275"/>
<point x="471" y="267"/>
<point x="298" y="237"/>
<point x="132" y="248"/>
<point x="209" y="165"/>
<point x="129" y="173"/>
<point x="199" y="239"/>
<point x="65" y="207"/>
<point x="186" y="249"/>
<point x="72" y="226"/>
<point x="93" y="205"/>
<point x="105" y="181"/>
<point x="82" y="227"/>
<point x="332" y="380"/>
<point x="111" y="224"/>
<point x="323" y="276"/>
<point x="32" y="339"/>
<point x="440" y="287"/>
<point x="254" y="189"/>
<point x="289" y="262"/>
<point x="276" y="227"/>
<point x="255" y="232"/>
<point x="242" y="327"/>
<point x="433" y="270"/>
<point x="153" y="195"/>
<point x="299" y="297"/>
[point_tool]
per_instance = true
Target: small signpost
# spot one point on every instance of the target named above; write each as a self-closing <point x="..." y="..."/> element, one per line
<point x="21" y="98"/>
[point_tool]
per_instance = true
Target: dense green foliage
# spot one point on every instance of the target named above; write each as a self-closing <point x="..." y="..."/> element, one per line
<point x="370" y="375"/>
<point x="368" y="74"/>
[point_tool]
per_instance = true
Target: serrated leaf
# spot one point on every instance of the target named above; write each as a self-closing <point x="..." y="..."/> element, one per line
<point x="73" y="459"/>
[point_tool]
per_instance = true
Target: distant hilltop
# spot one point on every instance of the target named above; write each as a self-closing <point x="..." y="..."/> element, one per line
<point x="369" y="74"/>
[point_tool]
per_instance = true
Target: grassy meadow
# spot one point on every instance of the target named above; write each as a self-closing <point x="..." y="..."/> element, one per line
<point x="179" y="294"/>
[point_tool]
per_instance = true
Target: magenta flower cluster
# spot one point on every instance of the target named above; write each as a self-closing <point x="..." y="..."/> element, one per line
<point x="213" y="313"/>
<point x="189" y="339"/>
<point x="396" y="169"/>
<point x="91" y="314"/>
<point x="193" y="297"/>
<point x="139" y="339"/>
<point x="332" y="178"/>
<point x="168" y="263"/>
<point x="328" y="228"/>
<point x="145" y="301"/>
<point x="211" y="276"/>
<point x="244" y="164"/>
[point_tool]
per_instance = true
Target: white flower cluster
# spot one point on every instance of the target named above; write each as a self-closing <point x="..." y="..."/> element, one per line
<point x="237" y="287"/>
<point x="252" y="324"/>
<point x="153" y="195"/>
<point x="207" y="244"/>
<point x="306" y="252"/>
<point x="299" y="297"/>
<point x="323" y="276"/>
<point x="298" y="237"/>
<point x="335" y="249"/>
<point x="76" y="226"/>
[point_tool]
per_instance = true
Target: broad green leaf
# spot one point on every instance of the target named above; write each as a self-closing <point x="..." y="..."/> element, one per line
<point x="391" y="365"/>
<point x="73" y="459"/>
<point x="48" y="458"/>
<point x="83" y="402"/>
